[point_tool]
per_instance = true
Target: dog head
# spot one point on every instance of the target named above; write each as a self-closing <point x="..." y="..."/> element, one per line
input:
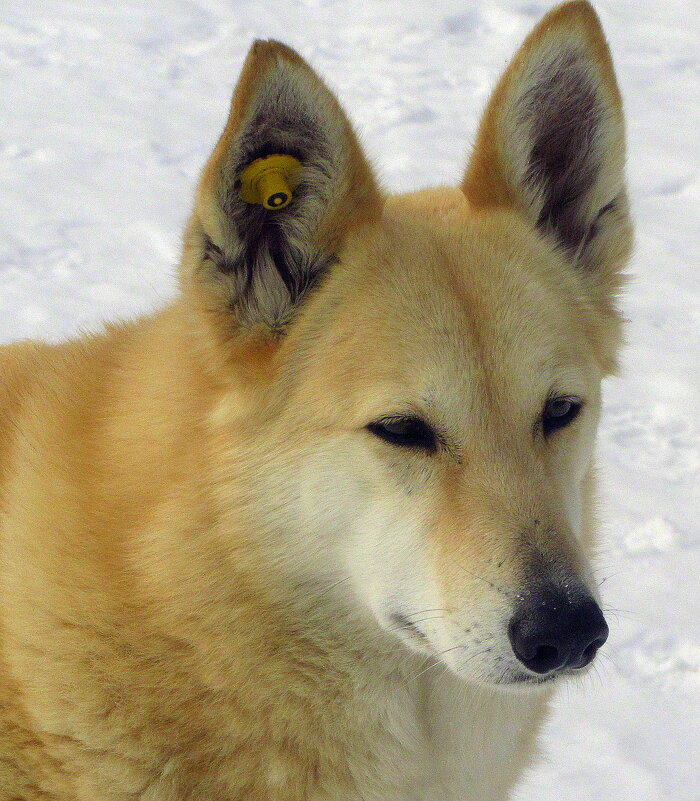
<point x="414" y="381"/>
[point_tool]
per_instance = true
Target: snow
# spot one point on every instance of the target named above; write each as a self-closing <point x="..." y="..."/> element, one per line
<point x="109" y="111"/>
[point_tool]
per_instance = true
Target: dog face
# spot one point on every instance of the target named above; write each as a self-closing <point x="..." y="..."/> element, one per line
<point x="418" y="377"/>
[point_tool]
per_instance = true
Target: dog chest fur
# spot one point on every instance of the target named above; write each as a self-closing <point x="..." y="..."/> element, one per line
<point x="141" y="691"/>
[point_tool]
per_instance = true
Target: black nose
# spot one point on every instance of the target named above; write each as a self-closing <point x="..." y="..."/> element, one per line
<point x="550" y="632"/>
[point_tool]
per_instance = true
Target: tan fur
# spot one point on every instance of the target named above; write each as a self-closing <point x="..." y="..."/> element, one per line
<point x="200" y="541"/>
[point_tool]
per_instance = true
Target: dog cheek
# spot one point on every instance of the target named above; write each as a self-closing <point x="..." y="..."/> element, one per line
<point x="388" y="560"/>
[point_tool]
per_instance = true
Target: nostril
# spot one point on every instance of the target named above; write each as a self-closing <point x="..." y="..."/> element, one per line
<point x="589" y="652"/>
<point x="537" y="651"/>
<point x="546" y="658"/>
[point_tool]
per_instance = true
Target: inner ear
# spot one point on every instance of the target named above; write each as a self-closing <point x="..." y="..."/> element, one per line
<point x="551" y="142"/>
<point x="260" y="260"/>
<point x="562" y="116"/>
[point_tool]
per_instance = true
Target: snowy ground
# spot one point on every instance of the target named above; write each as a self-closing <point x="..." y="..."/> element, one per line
<point x="108" y="111"/>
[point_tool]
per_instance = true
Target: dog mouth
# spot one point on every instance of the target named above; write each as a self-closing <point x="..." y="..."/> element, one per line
<point x="512" y="678"/>
<point x="517" y="678"/>
<point x="496" y="669"/>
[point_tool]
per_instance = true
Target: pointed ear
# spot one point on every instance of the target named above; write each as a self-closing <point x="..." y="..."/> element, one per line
<point x="552" y="144"/>
<point x="257" y="264"/>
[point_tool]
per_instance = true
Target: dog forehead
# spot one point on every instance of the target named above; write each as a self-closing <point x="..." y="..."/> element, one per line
<point x="482" y="284"/>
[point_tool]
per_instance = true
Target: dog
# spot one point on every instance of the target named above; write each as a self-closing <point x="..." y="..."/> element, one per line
<point x="322" y="527"/>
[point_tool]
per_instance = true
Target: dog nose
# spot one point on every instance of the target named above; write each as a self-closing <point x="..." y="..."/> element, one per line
<point x="549" y="632"/>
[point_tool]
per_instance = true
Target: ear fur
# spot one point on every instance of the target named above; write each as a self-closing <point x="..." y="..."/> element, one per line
<point x="552" y="144"/>
<point x="259" y="264"/>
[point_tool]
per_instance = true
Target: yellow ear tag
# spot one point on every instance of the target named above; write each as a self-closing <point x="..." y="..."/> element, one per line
<point x="269" y="181"/>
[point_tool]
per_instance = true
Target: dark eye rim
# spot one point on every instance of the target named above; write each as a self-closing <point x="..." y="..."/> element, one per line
<point x="417" y="433"/>
<point x="551" y="423"/>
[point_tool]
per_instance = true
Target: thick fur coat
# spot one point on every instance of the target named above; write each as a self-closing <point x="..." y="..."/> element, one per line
<point x="275" y="541"/>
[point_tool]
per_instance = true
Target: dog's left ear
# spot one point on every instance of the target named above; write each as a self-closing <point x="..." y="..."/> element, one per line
<point x="256" y="246"/>
<point x="552" y="144"/>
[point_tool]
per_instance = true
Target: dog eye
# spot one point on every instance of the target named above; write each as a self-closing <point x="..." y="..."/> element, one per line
<point x="407" y="432"/>
<point x="558" y="413"/>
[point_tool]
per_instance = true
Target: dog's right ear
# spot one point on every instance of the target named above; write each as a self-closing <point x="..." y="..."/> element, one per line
<point x="255" y="264"/>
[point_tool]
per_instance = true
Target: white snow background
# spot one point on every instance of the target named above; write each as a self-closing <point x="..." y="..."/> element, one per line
<point x="109" y="110"/>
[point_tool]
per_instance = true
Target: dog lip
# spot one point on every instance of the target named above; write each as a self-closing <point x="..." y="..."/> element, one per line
<point x="531" y="678"/>
<point x="402" y="623"/>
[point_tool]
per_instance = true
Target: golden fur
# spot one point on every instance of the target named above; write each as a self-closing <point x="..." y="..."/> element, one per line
<point x="200" y="541"/>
